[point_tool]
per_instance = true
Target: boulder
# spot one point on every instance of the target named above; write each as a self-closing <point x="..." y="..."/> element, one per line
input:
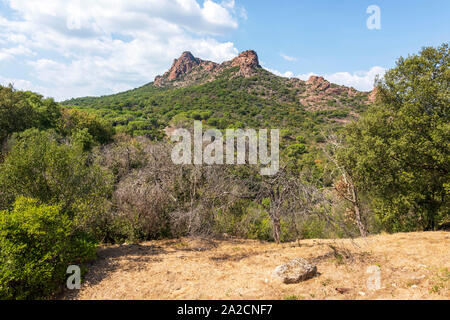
<point x="318" y="83"/>
<point x="295" y="271"/>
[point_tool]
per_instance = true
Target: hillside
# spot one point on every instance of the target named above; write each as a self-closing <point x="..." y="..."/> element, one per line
<point x="237" y="93"/>
<point x="413" y="266"/>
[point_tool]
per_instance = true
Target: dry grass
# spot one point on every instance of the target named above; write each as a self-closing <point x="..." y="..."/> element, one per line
<point x="413" y="266"/>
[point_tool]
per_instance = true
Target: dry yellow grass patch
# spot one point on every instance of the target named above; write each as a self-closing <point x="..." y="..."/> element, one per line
<point x="413" y="266"/>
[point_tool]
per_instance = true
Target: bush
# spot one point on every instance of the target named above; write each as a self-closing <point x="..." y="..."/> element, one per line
<point x="39" y="167"/>
<point x="75" y="120"/>
<point x="21" y="110"/>
<point x="37" y="244"/>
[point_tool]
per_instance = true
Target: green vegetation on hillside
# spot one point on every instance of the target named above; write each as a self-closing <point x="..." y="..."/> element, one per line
<point x="96" y="170"/>
<point x="261" y="101"/>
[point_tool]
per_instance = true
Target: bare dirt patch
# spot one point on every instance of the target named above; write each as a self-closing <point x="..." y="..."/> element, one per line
<point x="413" y="266"/>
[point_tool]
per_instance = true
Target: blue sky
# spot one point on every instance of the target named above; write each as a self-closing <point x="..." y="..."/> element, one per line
<point x="75" y="48"/>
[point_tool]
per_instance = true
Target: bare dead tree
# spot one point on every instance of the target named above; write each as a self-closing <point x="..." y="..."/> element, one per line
<point x="345" y="187"/>
<point x="277" y="194"/>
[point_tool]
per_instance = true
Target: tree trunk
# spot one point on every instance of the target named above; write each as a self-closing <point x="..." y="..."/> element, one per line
<point x="276" y="229"/>
<point x="362" y="228"/>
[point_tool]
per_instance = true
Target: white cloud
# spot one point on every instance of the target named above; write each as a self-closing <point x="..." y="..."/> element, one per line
<point x="87" y="47"/>
<point x="360" y="80"/>
<point x="10" y="53"/>
<point x="287" y="74"/>
<point x="288" y="58"/>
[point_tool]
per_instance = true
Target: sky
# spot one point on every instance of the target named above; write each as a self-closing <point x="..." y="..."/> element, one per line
<point x="74" y="48"/>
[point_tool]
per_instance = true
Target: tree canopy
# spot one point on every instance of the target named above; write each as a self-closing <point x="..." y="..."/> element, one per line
<point x="398" y="152"/>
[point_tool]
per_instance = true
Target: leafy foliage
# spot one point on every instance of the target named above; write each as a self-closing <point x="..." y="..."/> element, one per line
<point x="37" y="244"/>
<point x="39" y="167"/>
<point x="21" y="110"/>
<point x="398" y="152"/>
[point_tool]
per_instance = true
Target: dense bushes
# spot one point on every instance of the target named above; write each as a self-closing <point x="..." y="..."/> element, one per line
<point x="40" y="167"/>
<point x="74" y="121"/>
<point x="21" y="110"/>
<point x="52" y="196"/>
<point x="37" y="244"/>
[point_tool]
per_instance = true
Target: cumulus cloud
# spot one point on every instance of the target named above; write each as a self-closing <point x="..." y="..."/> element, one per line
<point x="92" y="47"/>
<point x="360" y="80"/>
<point x="10" y="53"/>
<point x="288" y="58"/>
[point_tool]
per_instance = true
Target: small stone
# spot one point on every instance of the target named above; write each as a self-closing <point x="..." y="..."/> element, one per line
<point x="295" y="271"/>
<point x="362" y="293"/>
<point x="343" y="290"/>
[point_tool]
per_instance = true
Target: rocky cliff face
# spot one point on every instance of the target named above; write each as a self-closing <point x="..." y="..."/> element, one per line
<point x="247" y="61"/>
<point x="318" y="83"/>
<point x="188" y="70"/>
<point x="183" y="65"/>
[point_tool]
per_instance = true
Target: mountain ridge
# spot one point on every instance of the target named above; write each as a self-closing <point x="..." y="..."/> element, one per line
<point x="188" y="70"/>
<point x="235" y="93"/>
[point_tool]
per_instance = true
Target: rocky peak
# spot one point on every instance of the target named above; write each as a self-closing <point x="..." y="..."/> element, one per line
<point x="247" y="58"/>
<point x="247" y="61"/>
<point x="182" y="65"/>
<point x="187" y="69"/>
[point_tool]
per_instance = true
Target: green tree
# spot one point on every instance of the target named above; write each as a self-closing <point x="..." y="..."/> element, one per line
<point x="37" y="244"/>
<point x="398" y="153"/>
<point x="74" y="120"/>
<point x="40" y="167"/>
<point x="21" y="110"/>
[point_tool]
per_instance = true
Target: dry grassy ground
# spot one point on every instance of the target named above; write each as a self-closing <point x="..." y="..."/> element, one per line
<point x="413" y="266"/>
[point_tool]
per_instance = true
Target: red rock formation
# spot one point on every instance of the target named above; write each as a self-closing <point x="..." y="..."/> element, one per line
<point x="187" y="69"/>
<point x="182" y="65"/>
<point x="352" y="92"/>
<point x="318" y="83"/>
<point x="247" y="61"/>
<point x="373" y="95"/>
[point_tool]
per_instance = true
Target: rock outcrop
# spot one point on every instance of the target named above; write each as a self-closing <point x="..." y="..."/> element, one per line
<point x="373" y="95"/>
<point x="247" y="61"/>
<point x="188" y="70"/>
<point x="295" y="271"/>
<point x="183" y="65"/>
<point x="316" y="94"/>
<point x="318" y="83"/>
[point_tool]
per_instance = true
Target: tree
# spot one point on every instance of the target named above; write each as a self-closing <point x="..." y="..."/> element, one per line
<point x="345" y="186"/>
<point x="21" y="110"/>
<point x="40" y="167"/>
<point x="278" y="194"/>
<point x="74" y="120"/>
<point x="398" y="151"/>
<point x="37" y="244"/>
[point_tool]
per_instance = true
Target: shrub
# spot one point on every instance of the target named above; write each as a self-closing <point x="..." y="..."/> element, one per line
<point x="37" y="244"/>
<point x="74" y="120"/>
<point x="41" y="168"/>
<point x="21" y="110"/>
